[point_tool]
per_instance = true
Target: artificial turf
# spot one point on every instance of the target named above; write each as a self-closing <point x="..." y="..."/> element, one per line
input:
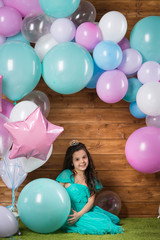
<point x="134" y="229"/>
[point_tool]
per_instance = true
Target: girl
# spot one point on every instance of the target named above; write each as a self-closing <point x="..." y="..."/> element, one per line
<point x="79" y="179"/>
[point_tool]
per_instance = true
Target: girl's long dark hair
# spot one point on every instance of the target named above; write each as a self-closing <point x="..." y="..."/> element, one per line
<point x="90" y="173"/>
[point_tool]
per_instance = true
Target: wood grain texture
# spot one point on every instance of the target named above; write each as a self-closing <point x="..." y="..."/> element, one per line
<point x="104" y="128"/>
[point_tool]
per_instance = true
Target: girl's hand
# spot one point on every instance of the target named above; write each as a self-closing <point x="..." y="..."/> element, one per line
<point x="73" y="217"/>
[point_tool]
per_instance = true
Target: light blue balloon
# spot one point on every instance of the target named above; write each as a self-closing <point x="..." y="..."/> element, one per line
<point x="133" y="86"/>
<point x="44" y="205"/>
<point x="67" y="68"/>
<point x="21" y="69"/>
<point x="145" y="37"/>
<point x="59" y="8"/>
<point x="17" y="37"/>
<point x="107" y="55"/>
<point x="96" y="74"/>
<point x="135" y="111"/>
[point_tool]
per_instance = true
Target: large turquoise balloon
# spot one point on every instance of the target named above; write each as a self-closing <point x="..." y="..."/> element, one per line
<point x="43" y="205"/>
<point x="145" y="37"/>
<point x="59" y="8"/>
<point x="21" y="69"/>
<point x="67" y="68"/>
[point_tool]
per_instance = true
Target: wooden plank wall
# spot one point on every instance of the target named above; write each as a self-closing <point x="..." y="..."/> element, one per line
<point x="104" y="128"/>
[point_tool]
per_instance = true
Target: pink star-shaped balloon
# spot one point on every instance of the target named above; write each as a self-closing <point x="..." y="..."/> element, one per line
<point x="32" y="137"/>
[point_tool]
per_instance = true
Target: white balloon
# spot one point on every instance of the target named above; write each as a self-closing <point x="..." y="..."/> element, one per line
<point x="32" y="163"/>
<point x="148" y="98"/>
<point x="22" y="110"/>
<point x="113" y="26"/>
<point x="44" y="44"/>
<point x="63" y="30"/>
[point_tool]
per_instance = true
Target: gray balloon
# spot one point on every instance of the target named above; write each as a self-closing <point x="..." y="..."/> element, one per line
<point x="8" y="223"/>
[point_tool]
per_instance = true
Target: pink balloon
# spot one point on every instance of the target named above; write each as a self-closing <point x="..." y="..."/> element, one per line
<point x="88" y="35"/>
<point x="142" y="149"/>
<point x="25" y="7"/>
<point x="6" y="108"/>
<point x="5" y="137"/>
<point x="131" y="61"/>
<point x="32" y="137"/>
<point x="10" y="21"/>
<point x="11" y="172"/>
<point x="112" y="86"/>
<point x="124" y="44"/>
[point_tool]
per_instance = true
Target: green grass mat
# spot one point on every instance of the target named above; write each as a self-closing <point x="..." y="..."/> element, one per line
<point x="135" y="229"/>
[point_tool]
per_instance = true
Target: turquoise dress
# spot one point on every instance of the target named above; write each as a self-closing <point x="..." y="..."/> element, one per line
<point x="97" y="221"/>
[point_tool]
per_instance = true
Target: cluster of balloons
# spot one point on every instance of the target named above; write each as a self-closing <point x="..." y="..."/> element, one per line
<point x="72" y="51"/>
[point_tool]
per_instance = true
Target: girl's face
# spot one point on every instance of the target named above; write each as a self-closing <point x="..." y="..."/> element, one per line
<point x="80" y="160"/>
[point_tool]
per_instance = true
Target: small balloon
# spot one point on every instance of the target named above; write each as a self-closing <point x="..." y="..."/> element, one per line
<point x="124" y="43"/>
<point x="153" y="121"/>
<point x="22" y="110"/>
<point x="112" y="86"/>
<point x="63" y="30"/>
<point x="135" y="111"/>
<point x="113" y="26"/>
<point x="148" y="98"/>
<point x="88" y="35"/>
<point x="107" y="55"/>
<point x="109" y="201"/>
<point x="43" y="205"/>
<point x="96" y="74"/>
<point x="131" y="61"/>
<point x="2" y="40"/>
<point x="8" y="223"/>
<point x="40" y="99"/>
<point x="133" y="86"/>
<point x="35" y="25"/>
<point x="149" y="72"/>
<point x="44" y="44"/>
<point x="85" y="12"/>
<point x="9" y="16"/>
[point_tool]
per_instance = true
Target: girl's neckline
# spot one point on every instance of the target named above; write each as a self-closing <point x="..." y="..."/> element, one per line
<point x="76" y="183"/>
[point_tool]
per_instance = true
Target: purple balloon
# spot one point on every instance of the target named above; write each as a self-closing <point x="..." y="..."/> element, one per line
<point x="5" y="137"/>
<point x="142" y="149"/>
<point x="6" y="108"/>
<point x="112" y="86"/>
<point x="8" y="223"/>
<point x="149" y="72"/>
<point x="2" y="40"/>
<point x="1" y="3"/>
<point x="11" y="172"/>
<point x="131" y="61"/>
<point x="10" y="21"/>
<point x="124" y="43"/>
